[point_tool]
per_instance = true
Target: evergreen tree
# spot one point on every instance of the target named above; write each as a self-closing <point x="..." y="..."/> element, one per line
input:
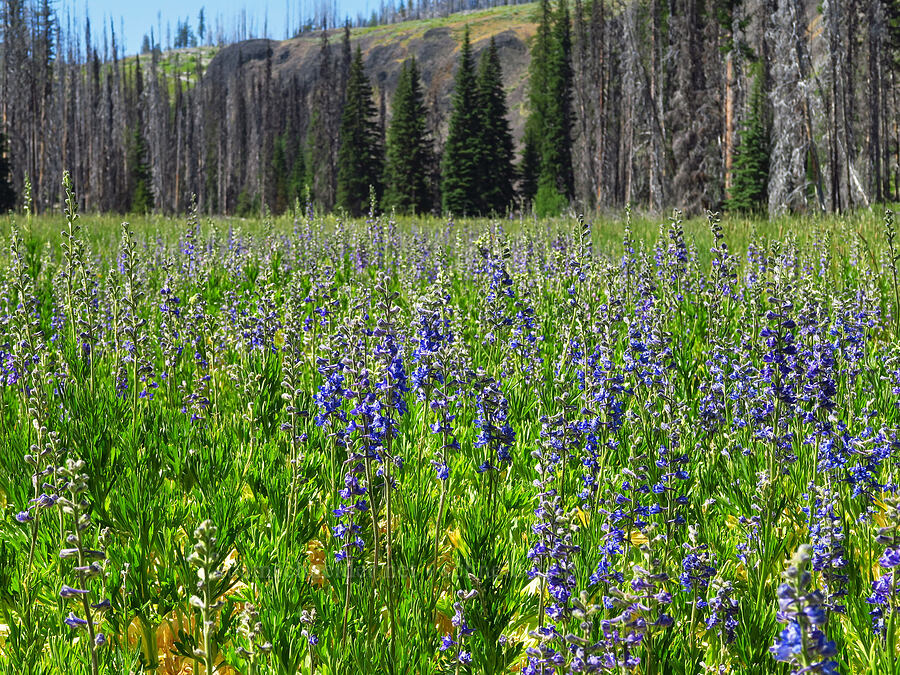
<point x="556" y="161"/>
<point x="751" y="161"/>
<point x="7" y="194"/>
<point x="547" y="173"/>
<point x="318" y="148"/>
<point x="322" y="132"/>
<point x="298" y="182"/>
<point x="201" y="25"/>
<point x="141" y="178"/>
<point x="530" y="166"/>
<point x="279" y="175"/>
<point x="496" y="138"/>
<point x="409" y="148"/>
<point x="538" y="78"/>
<point x="360" y="152"/>
<point x="460" y="170"/>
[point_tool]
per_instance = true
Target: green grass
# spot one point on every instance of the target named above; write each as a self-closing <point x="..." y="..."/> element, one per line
<point x="863" y="229"/>
<point x="489" y="21"/>
<point x="175" y="62"/>
<point x="209" y="351"/>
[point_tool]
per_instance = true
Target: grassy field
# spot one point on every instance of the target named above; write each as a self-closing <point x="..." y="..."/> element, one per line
<point x="486" y="21"/>
<point x="860" y="229"/>
<point x="309" y="445"/>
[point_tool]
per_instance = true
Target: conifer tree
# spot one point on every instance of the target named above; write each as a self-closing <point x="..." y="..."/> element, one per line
<point x="139" y="167"/>
<point x="547" y="174"/>
<point x="496" y="138"/>
<point x="279" y="175"/>
<point x="557" y="156"/>
<point x="322" y="132"/>
<point x="141" y="178"/>
<point x="530" y="166"/>
<point x="409" y="149"/>
<point x="298" y="182"/>
<point x="317" y="149"/>
<point x="460" y="170"/>
<point x="360" y="153"/>
<point x="751" y="162"/>
<point x="538" y="77"/>
<point x="7" y="194"/>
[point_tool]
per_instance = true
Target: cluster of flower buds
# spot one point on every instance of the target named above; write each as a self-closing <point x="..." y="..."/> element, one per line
<point x="803" y="643"/>
<point x="494" y="431"/>
<point x="461" y="655"/>
<point x="884" y="589"/>
<point x="252" y="629"/>
<point x="40" y="457"/>
<point x="73" y="484"/>
<point x="205" y="558"/>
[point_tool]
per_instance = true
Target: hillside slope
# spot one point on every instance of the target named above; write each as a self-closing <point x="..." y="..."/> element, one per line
<point x="434" y="43"/>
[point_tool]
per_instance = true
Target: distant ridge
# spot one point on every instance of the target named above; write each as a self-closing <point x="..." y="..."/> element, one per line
<point x="434" y="43"/>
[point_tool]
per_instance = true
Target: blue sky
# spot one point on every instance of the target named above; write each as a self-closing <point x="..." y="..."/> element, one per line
<point x="134" y="18"/>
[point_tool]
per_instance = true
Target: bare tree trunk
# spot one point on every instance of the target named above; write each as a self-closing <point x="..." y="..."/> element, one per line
<point x="787" y="170"/>
<point x="630" y="95"/>
<point x="831" y="15"/>
<point x="655" y="93"/>
<point x="876" y="32"/>
<point x="729" y="120"/>
<point x="599" y="76"/>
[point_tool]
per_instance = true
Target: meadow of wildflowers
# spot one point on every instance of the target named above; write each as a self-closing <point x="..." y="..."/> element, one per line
<point x="328" y="446"/>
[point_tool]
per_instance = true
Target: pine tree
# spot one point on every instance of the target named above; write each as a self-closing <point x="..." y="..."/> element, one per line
<point x="360" y="153"/>
<point x="141" y="178"/>
<point x="201" y="25"/>
<point x="751" y="163"/>
<point x="497" y="173"/>
<point x="322" y="130"/>
<point x="7" y="194"/>
<point x="530" y="166"/>
<point x="460" y="170"/>
<point x="547" y="174"/>
<point x="557" y="156"/>
<point x="538" y="87"/>
<point x="409" y="148"/>
<point x="318" y="149"/>
<point x="298" y="181"/>
<point x="279" y="174"/>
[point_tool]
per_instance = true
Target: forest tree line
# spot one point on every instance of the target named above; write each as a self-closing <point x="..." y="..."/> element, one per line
<point x="775" y="105"/>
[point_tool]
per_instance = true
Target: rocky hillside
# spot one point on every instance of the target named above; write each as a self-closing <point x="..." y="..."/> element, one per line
<point x="433" y="42"/>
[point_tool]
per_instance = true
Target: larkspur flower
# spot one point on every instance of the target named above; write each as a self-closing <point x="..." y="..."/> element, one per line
<point x="347" y="515"/>
<point x="829" y="556"/>
<point x="802" y="643"/>
<point x="885" y="588"/>
<point x="724" y="609"/>
<point x="455" y="647"/>
<point x="494" y="431"/>
<point x="72" y="502"/>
